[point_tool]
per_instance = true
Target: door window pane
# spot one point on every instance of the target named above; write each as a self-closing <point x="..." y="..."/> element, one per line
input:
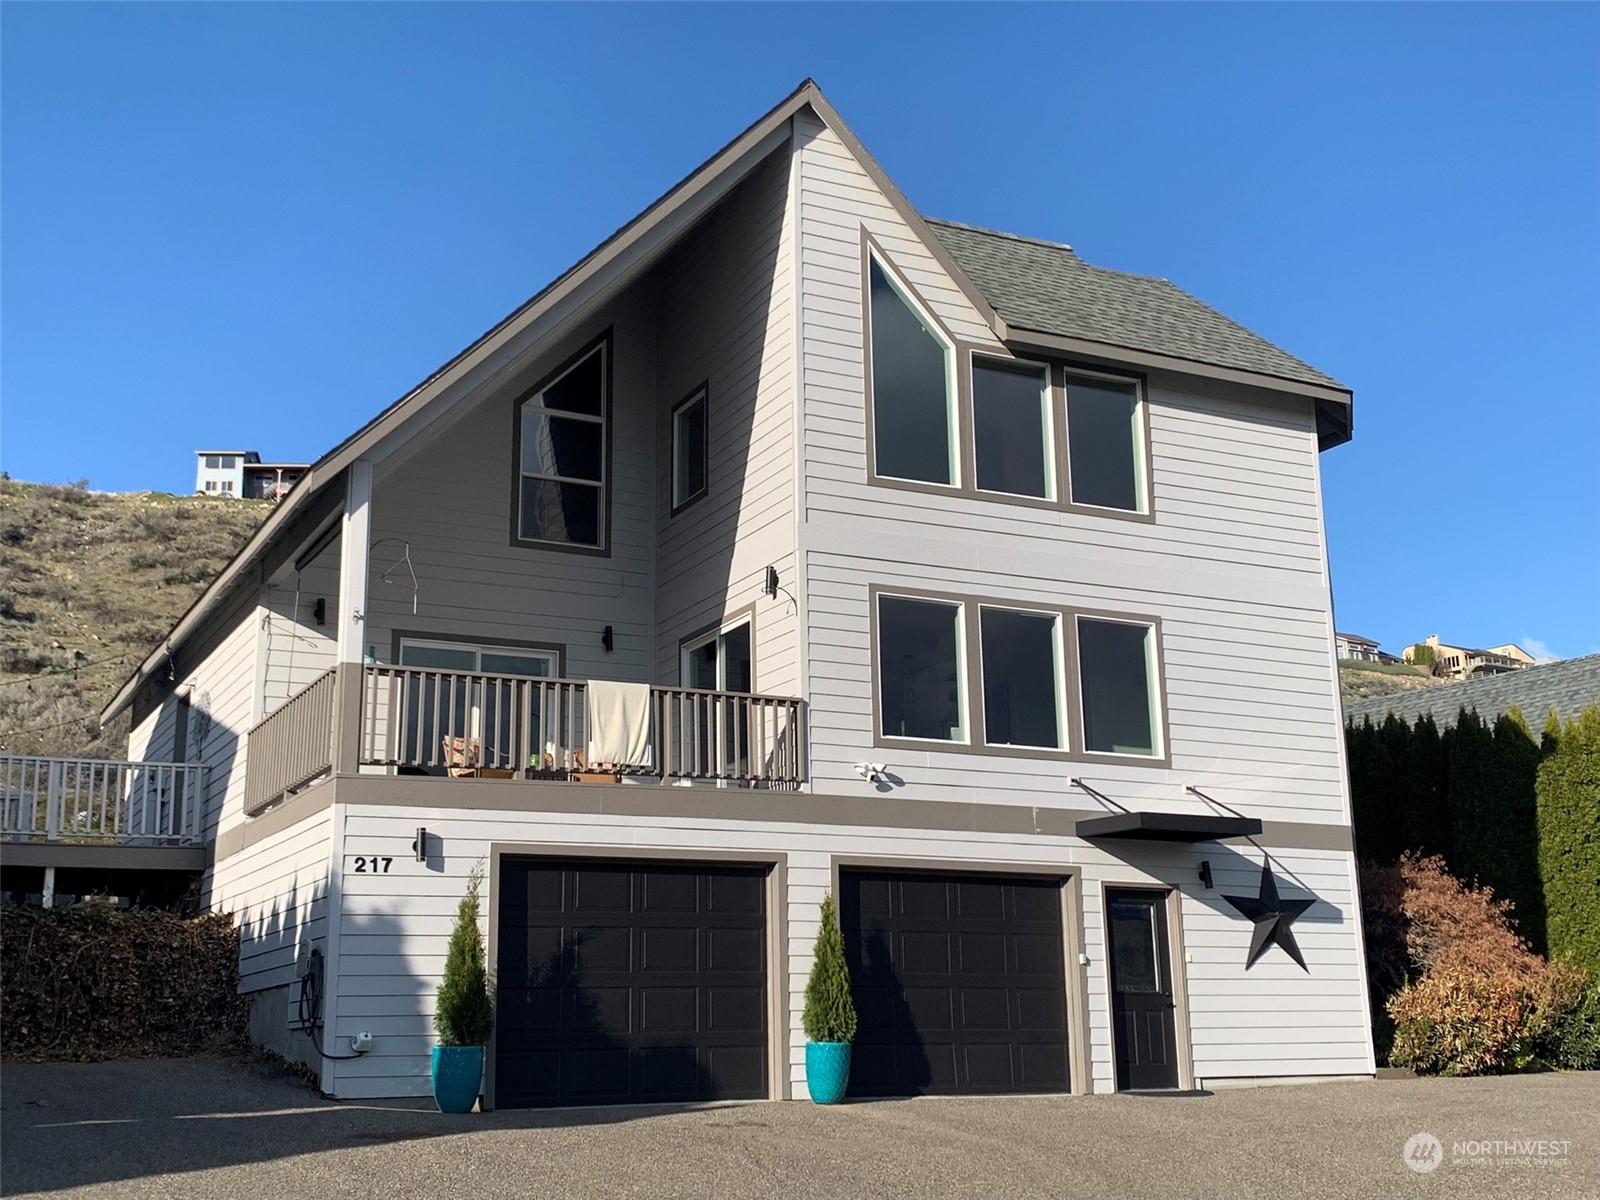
<point x="920" y="685"/>
<point x="537" y="666"/>
<point x="560" y="512"/>
<point x="1105" y="443"/>
<point x="440" y="658"/>
<point x="1116" y="662"/>
<point x="1011" y="425"/>
<point x="1135" y="954"/>
<point x="1021" y="666"/>
<point x="689" y="451"/>
<point x="913" y="423"/>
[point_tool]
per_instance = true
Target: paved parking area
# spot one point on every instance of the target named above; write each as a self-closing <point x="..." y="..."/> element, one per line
<point x="243" y="1131"/>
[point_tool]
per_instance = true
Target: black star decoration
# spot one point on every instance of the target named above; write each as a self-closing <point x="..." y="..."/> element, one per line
<point x="1273" y="918"/>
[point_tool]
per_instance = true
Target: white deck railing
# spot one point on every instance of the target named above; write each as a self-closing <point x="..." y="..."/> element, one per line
<point x="100" y="800"/>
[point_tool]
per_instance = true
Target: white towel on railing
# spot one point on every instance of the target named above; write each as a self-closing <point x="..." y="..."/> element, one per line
<point x="619" y="723"/>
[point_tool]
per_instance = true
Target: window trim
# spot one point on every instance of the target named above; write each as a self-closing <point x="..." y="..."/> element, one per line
<point x="702" y="395"/>
<point x="1142" y="443"/>
<point x="1059" y="638"/>
<point x="456" y="641"/>
<point x="1069" y="682"/>
<point x="603" y="344"/>
<point x="964" y="608"/>
<point x="956" y="391"/>
<point x="1055" y="431"/>
<point x="1158" y="696"/>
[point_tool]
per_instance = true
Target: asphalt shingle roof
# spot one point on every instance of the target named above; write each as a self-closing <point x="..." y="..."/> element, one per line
<point x="1567" y="686"/>
<point x="1046" y="287"/>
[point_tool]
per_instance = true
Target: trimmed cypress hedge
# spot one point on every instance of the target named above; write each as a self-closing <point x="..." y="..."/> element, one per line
<point x="91" y="982"/>
<point x="1569" y="838"/>
<point x="1502" y="809"/>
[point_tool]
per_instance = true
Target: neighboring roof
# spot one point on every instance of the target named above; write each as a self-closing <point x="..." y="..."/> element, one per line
<point x="1567" y="686"/>
<point x="241" y="453"/>
<point x="1045" y="286"/>
<point x="1356" y="637"/>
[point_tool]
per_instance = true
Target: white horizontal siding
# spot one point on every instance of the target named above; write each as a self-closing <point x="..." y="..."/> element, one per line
<point x="394" y="929"/>
<point x="450" y="504"/>
<point x="726" y="304"/>
<point x="277" y="890"/>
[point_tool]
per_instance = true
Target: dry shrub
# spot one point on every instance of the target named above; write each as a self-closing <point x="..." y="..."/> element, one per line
<point x="91" y="982"/>
<point x="1484" y="1000"/>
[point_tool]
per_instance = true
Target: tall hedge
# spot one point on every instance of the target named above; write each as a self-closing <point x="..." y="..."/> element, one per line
<point x="90" y="982"/>
<point x="1568" y="789"/>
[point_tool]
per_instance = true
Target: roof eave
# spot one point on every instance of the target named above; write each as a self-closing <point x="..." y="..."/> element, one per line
<point x="1334" y="404"/>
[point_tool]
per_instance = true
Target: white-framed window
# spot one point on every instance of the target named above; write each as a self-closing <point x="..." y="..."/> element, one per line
<point x="691" y="455"/>
<point x="561" y="439"/>
<point x="213" y="462"/>
<point x="227" y="462"/>
<point x="721" y="661"/>
<point x="1106" y="465"/>
<point x="1118" y="684"/>
<point x="211" y="485"/>
<point x="922" y="691"/>
<point x="1020" y="660"/>
<point x="227" y="487"/>
<point x="912" y="368"/>
<point x="1012" y="428"/>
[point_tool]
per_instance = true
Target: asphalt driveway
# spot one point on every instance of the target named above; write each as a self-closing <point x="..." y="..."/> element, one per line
<point x="243" y="1131"/>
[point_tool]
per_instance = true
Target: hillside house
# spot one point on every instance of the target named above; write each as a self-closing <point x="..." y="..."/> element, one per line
<point x="941" y="563"/>
<point x="240" y="474"/>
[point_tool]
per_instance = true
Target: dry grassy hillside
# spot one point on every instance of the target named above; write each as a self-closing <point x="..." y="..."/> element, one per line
<point x="1358" y="680"/>
<point x="89" y="583"/>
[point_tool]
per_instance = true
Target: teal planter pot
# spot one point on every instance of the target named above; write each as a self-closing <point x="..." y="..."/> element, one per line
<point x="827" y="1070"/>
<point x="457" y="1072"/>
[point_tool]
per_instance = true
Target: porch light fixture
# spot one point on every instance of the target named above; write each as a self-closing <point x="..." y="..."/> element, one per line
<point x="319" y="612"/>
<point x="421" y="844"/>
<point x="769" y="589"/>
<point x="1205" y="873"/>
<point x="606" y="639"/>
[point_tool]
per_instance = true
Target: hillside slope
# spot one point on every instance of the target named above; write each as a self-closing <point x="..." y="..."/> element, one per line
<point x="1358" y="680"/>
<point x="89" y="584"/>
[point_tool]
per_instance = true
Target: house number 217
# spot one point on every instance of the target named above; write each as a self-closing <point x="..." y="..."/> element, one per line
<point x="374" y="863"/>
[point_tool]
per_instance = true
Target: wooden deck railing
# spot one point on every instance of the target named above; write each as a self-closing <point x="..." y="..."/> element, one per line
<point x="512" y="722"/>
<point x="100" y="800"/>
<point x="292" y="746"/>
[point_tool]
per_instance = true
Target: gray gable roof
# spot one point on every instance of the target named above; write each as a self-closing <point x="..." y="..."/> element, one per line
<point x="1567" y="686"/>
<point x="1046" y="287"/>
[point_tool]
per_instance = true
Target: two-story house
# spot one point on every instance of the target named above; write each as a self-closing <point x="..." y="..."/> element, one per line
<point x="942" y="564"/>
<point x="240" y="474"/>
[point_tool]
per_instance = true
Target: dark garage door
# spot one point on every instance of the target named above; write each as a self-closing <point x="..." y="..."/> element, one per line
<point x="959" y="983"/>
<point x="625" y="983"/>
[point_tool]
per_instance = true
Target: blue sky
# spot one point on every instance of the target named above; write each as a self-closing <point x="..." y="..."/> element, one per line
<point x="259" y="224"/>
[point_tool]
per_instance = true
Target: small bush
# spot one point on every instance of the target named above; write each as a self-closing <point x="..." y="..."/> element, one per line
<point x="830" y="1014"/>
<point x="464" y="1015"/>
<point x="1572" y="1038"/>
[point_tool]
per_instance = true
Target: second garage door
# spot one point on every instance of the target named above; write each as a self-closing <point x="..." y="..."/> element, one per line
<point x="959" y="983"/>
<point x="628" y="982"/>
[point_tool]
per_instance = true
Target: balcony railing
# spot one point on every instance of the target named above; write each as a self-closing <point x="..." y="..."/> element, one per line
<point x="293" y="746"/>
<point x="410" y="715"/>
<point x="100" y="801"/>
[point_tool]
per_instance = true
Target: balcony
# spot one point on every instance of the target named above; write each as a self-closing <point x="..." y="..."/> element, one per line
<point x="421" y="721"/>
<point x="105" y="817"/>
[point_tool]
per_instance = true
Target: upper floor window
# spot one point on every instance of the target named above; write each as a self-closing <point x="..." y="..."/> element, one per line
<point x="691" y="464"/>
<point x="1020" y="656"/>
<point x="562" y="454"/>
<point x="227" y="462"/>
<point x="912" y="372"/>
<point x="1117" y="675"/>
<point x="921" y="671"/>
<point x="213" y="462"/>
<point x="1011" y="428"/>
<point x="1105" y="443"/>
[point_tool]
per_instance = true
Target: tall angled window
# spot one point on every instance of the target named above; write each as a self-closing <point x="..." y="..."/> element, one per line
<point x="1105" y="443"/>
<point x="562" y="437"/>
<point x="921" y="688"/>
<point x="1011" y="428"/>
<point x="690" y="450"/>
<point x="1117" y="670"/>
<point x="913" y="387"/>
